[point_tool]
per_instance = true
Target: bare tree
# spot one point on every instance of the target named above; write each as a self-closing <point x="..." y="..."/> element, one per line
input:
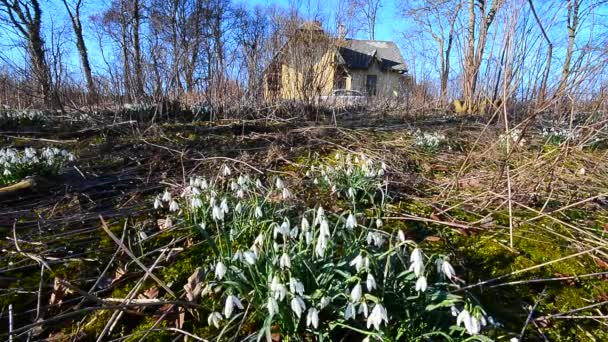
<point x="74" y="14"/>
<point x="476" y="43"/>
<point x="438" y="19"/>
<point x="26" y="19"/>
<point x="366" y="11"/>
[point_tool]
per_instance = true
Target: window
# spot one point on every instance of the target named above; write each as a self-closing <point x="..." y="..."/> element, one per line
<point x="370" y="84"/>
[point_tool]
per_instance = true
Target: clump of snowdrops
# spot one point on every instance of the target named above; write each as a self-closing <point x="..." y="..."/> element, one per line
<point x="429" y="142"/>
<point x="310" y="272"/>
<point x="513" y="138"/>
<point x="557" y="135"/>
<point x="25" y="116"/>
<point x="17" y="164"/>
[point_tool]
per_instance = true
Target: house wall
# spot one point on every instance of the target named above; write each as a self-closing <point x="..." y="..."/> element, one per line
<point x="387" y="81"/>
<point x="320" y="80"/>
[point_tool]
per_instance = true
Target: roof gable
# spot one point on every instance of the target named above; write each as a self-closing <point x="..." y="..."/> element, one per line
<point x="359" y="54"/>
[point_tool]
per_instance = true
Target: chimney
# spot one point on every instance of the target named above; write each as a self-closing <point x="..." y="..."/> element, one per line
<point x="341" y="31"/>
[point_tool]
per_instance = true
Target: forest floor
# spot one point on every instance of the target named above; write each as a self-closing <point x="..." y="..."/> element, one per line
<point x="526" y="229"/>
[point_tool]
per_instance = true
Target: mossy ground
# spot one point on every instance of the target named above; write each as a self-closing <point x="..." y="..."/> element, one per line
<point x="418" y="181"/>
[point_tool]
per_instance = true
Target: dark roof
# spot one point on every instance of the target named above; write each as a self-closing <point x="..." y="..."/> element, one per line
<point x="359" y="54"/>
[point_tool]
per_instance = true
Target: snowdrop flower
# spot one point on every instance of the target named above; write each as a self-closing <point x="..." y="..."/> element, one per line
<point x="421" y="284"/>
<point x="377" y="316"/>
<point x="324" y="228"/>
<point x="321" y="245"/>
<point x="258" y="212"/>
<point x="360" y="262"/>
<point x="238" y="208"/>
<point x="233" y="186"/>
<point x="259" y="240"/>
<point x="351" y="221"/>
<point x="214" y="319"/>
<point x="363" y="309"/>
<point x="350" y="311"/>
<point x="278" y="289"/>
<point x="308" y="238"/>
<point x="203" y="184"/>
<point x="166" y="196"/>
<point x="454" y="311"/>
<point x="196" y="202"/>
<point x="370" y="282"/>
<point x="304" y="224"/>
<point x="250" y="257"/>
<point x="312" y="318"/>
<point x="231" y="302"/>
<point x="514" y="339"/>
<point x="217" y="213"/>
<point x="272" y="306"/>
<point x="157" y="201"/>
<point x="298" y="306"/>
<point x="173" y="206"/>
<point x="258" y="183"/>
<point x="296" y="286"/>
<point x="401" y="235"/>
<point x="286" y="193"/>
<point x="351" y="193"/>
<point x="238" y="256"/>
<point x="355" y="293"/>
<point x="224" y="206"/>
<point x="240" y="193"/>
<point x="379" y="223"/>
<point x="282" y="229"/>
<point x="241" y="180"/>
<point x="8" y="173"/>
<point x="320" y="216"/>
<point x="376" y="238"/>
<point x="417" y="262"/>
<point x="469" y="322"/>
<point x="226" y="170"/>
<point x="285" y="261"/>
<point x="220" y="270"/>
<point x="279" y="184"/>
<point x="294" y="233"/>
<point x="315" y="181"/>
<point x="447" y="269"/>
<point x="325" y="301"/>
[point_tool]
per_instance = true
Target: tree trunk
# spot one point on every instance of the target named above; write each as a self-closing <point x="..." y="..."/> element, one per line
<point x="139" y="80"/>
<point x="573" y="17"/>
<point x="81" y="46"/>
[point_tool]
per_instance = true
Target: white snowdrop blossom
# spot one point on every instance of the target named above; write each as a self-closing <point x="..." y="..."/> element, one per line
<point x="226" y="171"/>
<point x="360" y="262"/>
<point x="272" y="306"/>
<point x="379" y="223"/>
<point x="239" y="208"/>
<point x="351" y="193"/>
<point x="166" y="196"/>
<point x="376" y="238"/>
<point x="224" y="206"/>
<point x="377" y="316"/>
<point x="285" y="261"/>
<point x="421" y="284"/>
<point x="296" y="286"/>
<point x="196" y="202"/>
<point x="258" y="212"/>
<point x="231" y="302"/>
<point x="370" y="282"/>
<point x="401" y="235"/>
<point x="157" y="201"/>
<point x="286" y="194"/>
<point x="214" y="319"/>
<point x="278" y="289"/>
<point x="363" y="309"/>
<point x="250" y="257"/>
<point x="304" y="224"/>
<point x="471" y="323"/>
<point x="312" y="318"/>
<point x="351" y="221"/>
<point x="298" y="306"/>
<point x="220" y="270"/>
<point x="173" y="206"/>
<point x="279" y="184"/>
<point x="217" y="213"/>
<point x="350" y="311"/>
<point x="325" y="301"/>
<point x="417" y="262"/>
<point x="448" y="270"/>
<point x="355" y="293"/>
